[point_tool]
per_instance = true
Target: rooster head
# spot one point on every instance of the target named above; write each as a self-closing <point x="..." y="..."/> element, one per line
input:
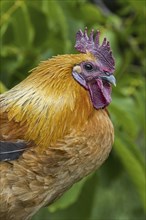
<point x="95" y="75"/>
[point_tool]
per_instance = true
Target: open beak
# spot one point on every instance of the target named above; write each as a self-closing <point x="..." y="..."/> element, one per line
<point x="111" y="79"/>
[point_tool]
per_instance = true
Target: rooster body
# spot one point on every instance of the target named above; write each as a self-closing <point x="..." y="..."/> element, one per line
<point x="51" y="120"/>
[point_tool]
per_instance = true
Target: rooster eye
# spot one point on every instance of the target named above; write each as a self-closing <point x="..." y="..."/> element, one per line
<point x="88" y="67"/>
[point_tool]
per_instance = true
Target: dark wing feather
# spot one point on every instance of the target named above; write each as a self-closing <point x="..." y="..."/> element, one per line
<point x="12" y="141"/>
<point x="11" y="150"/>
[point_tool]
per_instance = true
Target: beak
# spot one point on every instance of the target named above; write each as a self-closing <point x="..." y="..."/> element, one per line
<point x="111" y="79"/>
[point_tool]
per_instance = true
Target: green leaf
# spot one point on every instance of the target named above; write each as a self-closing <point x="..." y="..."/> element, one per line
<point x="69" y="197"/>
<point x="90" y="14"/>
<point x="57" y="22"/>
<point x="133" y="167"/>
<point x="23" y="29"/>
<point x="2" y="88"/>
<point x="122" y="116"/>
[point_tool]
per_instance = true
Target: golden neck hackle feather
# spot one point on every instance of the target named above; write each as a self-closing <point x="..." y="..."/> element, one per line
<point x="37" y="101"/>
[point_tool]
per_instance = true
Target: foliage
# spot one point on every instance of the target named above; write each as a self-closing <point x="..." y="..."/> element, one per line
<point x="34" y="30"/>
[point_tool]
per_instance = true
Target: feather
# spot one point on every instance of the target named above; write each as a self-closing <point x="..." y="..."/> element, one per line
<point x="52" y="134"/>
<point x="11" y="150"/>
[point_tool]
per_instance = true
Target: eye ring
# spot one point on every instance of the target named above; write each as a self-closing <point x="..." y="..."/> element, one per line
<point x="88" y="67"/>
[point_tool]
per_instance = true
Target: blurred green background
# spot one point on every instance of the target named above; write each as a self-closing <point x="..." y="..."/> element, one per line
<point x="34" y="30"/>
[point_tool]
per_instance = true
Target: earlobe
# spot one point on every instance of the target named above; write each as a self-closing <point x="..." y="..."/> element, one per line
<point x="77" y="69"/>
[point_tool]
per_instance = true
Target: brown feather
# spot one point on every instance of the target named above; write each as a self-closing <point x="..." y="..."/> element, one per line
<point x="11" y="130"/>
<point x="71" y="138"/>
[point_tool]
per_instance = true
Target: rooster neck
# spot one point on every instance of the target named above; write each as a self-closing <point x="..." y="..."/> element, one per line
<point x="50" y="101"/>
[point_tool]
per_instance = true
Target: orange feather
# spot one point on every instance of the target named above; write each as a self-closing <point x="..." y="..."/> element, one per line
<point x="50" y="100"/>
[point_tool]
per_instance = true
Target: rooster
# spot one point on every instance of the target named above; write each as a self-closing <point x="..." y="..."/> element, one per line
<point x="55" y="128"/>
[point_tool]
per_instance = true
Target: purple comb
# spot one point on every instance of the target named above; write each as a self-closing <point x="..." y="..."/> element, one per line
<point x="90" y="44"/>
